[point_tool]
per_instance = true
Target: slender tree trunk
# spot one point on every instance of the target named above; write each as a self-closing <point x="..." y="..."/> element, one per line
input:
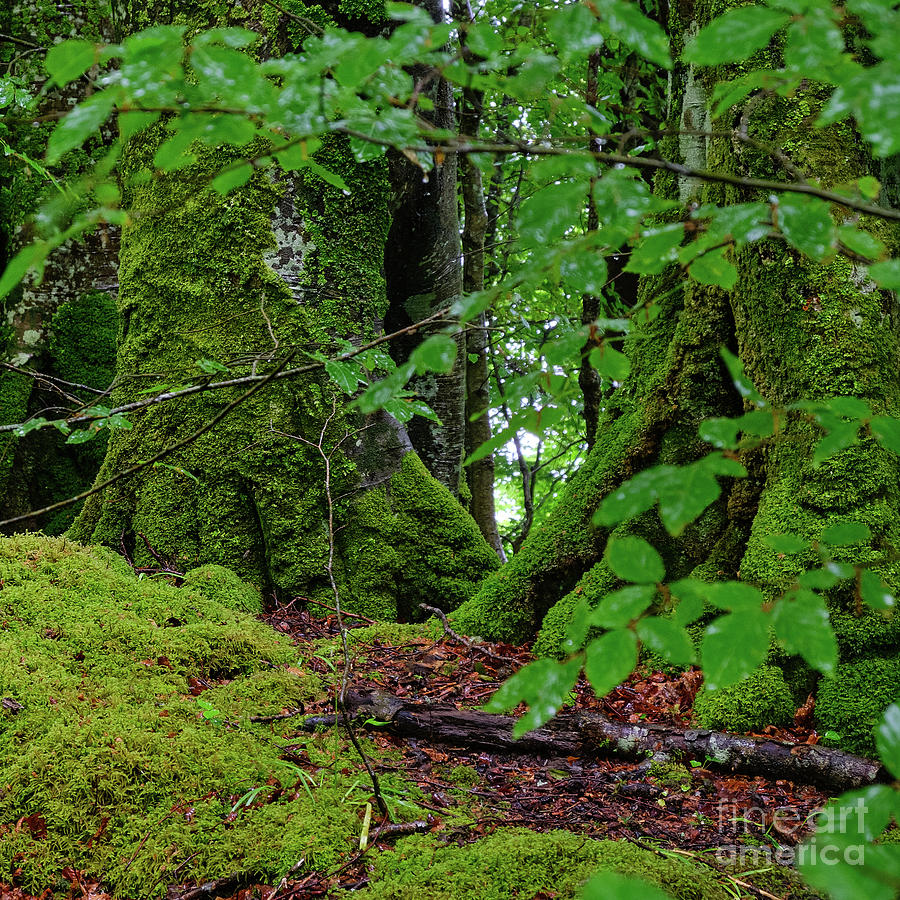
<point x="424" y="274"/>
<point x="588" y="378"/>
<point x="479" y="474"/>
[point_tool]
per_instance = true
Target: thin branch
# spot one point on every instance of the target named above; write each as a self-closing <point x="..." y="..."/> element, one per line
<point x="205" y="386"/>
<point x="531" y="148"/>
<point x="178" y="445"/>
<point x="319" y="446"/>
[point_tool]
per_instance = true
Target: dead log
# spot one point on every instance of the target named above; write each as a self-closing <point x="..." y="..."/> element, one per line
<point x="590" y="734"/>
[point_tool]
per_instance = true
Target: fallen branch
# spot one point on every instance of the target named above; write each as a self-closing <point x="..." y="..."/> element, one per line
<point x="591" y="734"/>
<point x="460" y="639"/>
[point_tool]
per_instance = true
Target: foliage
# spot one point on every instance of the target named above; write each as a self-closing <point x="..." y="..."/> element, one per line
<point x="205" y="91"/>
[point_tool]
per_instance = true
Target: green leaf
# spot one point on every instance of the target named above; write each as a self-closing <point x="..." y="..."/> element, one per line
<point x="732" y="37"/>
<point x="887" y="738"/>
<point x="69" y="60"/>
<point x="625" y="21"/>
<point x="436" y="354"/>
<point x="849" y="407"/>
<point x="721" y="433"/>
<point x="633" y="559"/>
<point x="228" y="37"/>
<point x="873" y="591"/>
<point x="574" y="30"/>
<point x="548" y="214"/>
<point x="861" y="242"/>
<point x="610" y="363"/>
<point x="788" y="544"/>
<point x="31" y="255"/>
<point x="211" y="366"/>
<point x="80" y="124"/>
<point x="610" y="659"/>
<point x="733" y="647"/>
<point x="885" y="430"/>
<point x="684" y="498"/>
<point x="802" y="625"/>
<point x="813" y="44"/>
<point x="565" y="347"/>
<point x="806" y="223"/>
<point x="665" y="638"/>
<point x="742" y="383"/>
<point x="583" y="272"/>
<point x="887" y="274"/>
<point x="713" y="268"/>
<point x="656" y="249"/>
<point x="544" y="685"/>
<point x="84" y="435"/>
<point x="229" y="179"/>
<point x="608" y="885"/>
<point x="619" y="608"/>
<point x="132" y="121"/>
<point x="733" y="595"/>
<point x="344" y="375"/>
<point x="846" y="534"/>
<point x="840" y="436"/>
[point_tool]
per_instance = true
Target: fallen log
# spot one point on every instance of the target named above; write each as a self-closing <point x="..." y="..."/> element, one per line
<point x="591" y="734"/>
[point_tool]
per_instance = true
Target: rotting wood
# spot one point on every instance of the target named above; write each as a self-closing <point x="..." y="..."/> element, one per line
<point x="591" y="734"/>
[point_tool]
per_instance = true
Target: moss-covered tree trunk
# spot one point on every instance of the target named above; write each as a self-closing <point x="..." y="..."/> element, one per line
<point x="62" y="324"/>
<point x="288" y="263"/>
<point x="804" y="330"/>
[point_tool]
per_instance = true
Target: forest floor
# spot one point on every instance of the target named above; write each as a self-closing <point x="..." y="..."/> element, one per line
<point x="708" y="817"/>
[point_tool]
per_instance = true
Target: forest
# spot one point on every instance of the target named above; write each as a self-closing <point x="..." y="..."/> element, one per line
<point x="450" y="449"/>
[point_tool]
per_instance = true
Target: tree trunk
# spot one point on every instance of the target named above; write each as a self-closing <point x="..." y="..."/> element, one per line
<point x="479" y="474"/>
<point x="804" y="330"/>
<point x="286" y="264"/>
<point x="62" y="325"/>
<point x="422" y="264"/>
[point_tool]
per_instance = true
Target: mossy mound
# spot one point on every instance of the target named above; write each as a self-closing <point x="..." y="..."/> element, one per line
<point x="852" y="703"/>
<point x="516" y="862"/>
<point x="222" y="586"/>
<point x="762" y="699"/>
<point x="111" y="766"/>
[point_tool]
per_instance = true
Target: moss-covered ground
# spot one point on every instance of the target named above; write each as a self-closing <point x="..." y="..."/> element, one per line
<point x="141" y="745"/>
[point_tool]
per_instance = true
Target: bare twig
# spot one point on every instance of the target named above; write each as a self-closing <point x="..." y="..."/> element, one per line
<point x="178" y="445"/>
<point x="280" y="374"/>
<point x="341" y="698"/>
<point x="347" y="615"/>
<point x="460" y="639"/>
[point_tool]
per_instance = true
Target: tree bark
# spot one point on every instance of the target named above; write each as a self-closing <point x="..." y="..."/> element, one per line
<point x="422" y="264"/>
<point x="62" y="324"/>
<point x="591" y="734"/>
<point x="479" y="474"/>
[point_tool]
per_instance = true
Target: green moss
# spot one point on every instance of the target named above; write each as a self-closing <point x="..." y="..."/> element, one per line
<point x="852" y="703"/>
<point x="222" y="586"/>
<point x="83" y="340"/>
<point x="463" y="775"/>
<point x="112" y="754"/>
<point x="519" y="863"/>
<point x="671" y="775"/>
<point x="762" y="699"/>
